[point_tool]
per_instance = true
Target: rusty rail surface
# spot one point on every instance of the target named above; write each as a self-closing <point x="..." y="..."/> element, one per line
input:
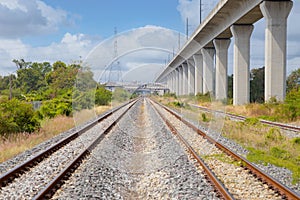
<point x="21" y="168"/>
<point x="212" y="177"/>
<point x="282" y="189"/>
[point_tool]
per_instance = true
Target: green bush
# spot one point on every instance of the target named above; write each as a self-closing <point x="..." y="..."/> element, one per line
<point x="252" y="121"/>
<point x="17" y="116"/>
<point x="102" y="96"/>
<point x="296" y="141"/>
<point x="274" y="135"/>
<point x="177" y="104"/>
<point x="170" y="94"/>
<point x="204" y="118"/>
<point x="204" y="97"/>
<point x="279" y="153"/>
<point x="121" y="95"/>
<point x="54" y="107"/>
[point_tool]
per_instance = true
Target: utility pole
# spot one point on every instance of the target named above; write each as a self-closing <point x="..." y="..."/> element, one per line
<point x="200" y="11"/>
<point x="179" y="41"/>
<point x="116" y="44"/>
<point x="187" y="28"/>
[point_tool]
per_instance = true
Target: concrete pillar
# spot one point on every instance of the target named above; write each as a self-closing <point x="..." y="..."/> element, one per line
<point x="185" y="79"/>
<point x="168" y="82"/>
<point x="176" y="81"/>
<point x="198" y="60"/>
<point x="241" y="63"/>
<point x="208" y="69"/>
<point x="170" y="77"/>
<point x="191" y="77"/>
<point x="180" y="80"/>
<point x="221" y="46"/>
<point x="172" y="81"/>
<point x="275" y="13"/>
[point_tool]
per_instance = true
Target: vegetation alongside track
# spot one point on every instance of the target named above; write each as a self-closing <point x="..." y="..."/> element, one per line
<point x="265" y="144"/>
<point x="52" y="86"/>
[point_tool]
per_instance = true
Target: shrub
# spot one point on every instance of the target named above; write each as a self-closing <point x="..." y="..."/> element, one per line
<point x="54" y="107"/>
<point x="296" y="141"/>
<point x="279" y="153"/>
<point x="17" y="116"/>
<point x="177" y="104"/>
<point x="274" y="135"/>
<point x="252" y="121"/>
<point x="204" y="97"/>
<point x="102" y="96"/>
<point x="204" y="118"/>
<point x="170" y="95"/>
<point x="121" y="95"/>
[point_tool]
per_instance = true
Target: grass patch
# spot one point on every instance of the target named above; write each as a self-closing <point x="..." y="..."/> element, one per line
<point x="278" y="157"/>
<point x="17" y="143"/>
<point x="14" y="144"/>
<point x="266" y="144"/>
<point x="204" y="118"/>
<point x="223" y="158"/>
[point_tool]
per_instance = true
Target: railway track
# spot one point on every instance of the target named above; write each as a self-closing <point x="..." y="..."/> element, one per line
<point x="242" y="118"/>
<point x="139" y="160"/>
<point x="200" y="142"/>
<point x="49" y="166"/>
<point x="141" y="150"/>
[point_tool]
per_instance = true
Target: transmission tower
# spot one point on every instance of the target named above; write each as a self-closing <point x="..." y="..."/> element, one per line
<point x="116" y="44"/>
<point x="115" y="68"/>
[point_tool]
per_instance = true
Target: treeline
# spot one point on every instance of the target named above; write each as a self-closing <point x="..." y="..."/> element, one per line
<point x="257" y="84"/>
<point x="289" y="110"/>
<point x="53" y="85"/>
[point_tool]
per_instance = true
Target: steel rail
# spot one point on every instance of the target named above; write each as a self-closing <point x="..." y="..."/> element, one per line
<point x="51" y="187"/>
<point x="282" y="189"/>
<point x="212" y="177"/>
<point x="21" y="168"/>
<point x="239" y="117"/>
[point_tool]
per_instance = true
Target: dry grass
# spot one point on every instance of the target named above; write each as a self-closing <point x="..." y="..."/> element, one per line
<point x="16" y="143"/>
<point x="102" y="109"/>
<point x="86" y="115"/>
<point x="250" y="110"/>
<point x="266" y="145"/>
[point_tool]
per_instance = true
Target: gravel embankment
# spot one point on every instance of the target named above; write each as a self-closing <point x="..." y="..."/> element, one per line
<point x="139" y="159"/>
<point x="240" y="183"/>
<point x="283" y="175"/>
<point x="29" y="183"/>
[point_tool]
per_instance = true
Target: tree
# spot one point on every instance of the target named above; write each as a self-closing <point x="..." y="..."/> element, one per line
<point x="21" y="64"/>
<point x="32" y="78"/>
<point x="17" y="116"/>
<point x="257" y="85"/>
<point x="102" y="96"/>
<point x="293" y="80"/>
<point x="58" y="65"/>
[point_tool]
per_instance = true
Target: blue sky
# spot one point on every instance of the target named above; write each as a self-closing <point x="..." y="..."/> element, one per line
<point x="98" y="18"/>
<point x="51" y="30"/>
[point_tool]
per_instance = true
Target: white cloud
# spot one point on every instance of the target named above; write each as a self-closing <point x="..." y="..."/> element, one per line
<point x="70" y="48"/>
<point x="10" y="49"/>
<point x="30" y="17"/>
<point x="139" y="50"/>
<point x="149" y="45"/>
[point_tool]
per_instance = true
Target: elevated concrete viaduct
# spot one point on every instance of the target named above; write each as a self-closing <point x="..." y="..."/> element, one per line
<point x="201" y="64"/>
